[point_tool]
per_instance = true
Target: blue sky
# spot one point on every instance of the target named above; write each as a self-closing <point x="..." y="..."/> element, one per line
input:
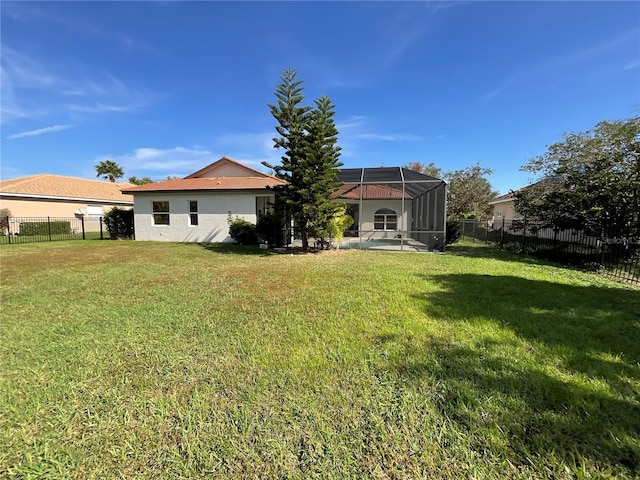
<point x="164" y="88"/>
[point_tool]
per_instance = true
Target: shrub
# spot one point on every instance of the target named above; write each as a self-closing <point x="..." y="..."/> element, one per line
<point x="119" y="223"/>
<point x="269" y="228"/>
<point x="453" y="230"/>
<point x="242" y="231"/>
<point x="5" y="214"/>
<point x="55" y="227"/>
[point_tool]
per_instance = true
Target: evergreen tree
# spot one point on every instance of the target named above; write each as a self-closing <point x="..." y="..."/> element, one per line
<point x="310" y="161"/>
<point x="322" y="167"/>
<point x="109" y="169"/>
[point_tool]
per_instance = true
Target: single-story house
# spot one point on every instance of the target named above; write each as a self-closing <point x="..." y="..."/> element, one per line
<point x="59" y="196"/>
<point x="196" y="208"/>
<point x="385" y="203"/>
<point x="504" y="208"/>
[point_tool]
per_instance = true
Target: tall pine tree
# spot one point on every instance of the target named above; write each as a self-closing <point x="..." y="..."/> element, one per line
<point x="310" y="161"/>
<point x="323" y="166"/>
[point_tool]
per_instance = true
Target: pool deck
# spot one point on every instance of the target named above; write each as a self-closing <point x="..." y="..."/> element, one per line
<point x="408" y="245"/>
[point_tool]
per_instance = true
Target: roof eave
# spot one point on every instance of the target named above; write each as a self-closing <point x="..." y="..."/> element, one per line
<point x="58" y="197"/>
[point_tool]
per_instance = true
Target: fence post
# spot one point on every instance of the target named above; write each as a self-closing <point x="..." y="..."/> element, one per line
<point x="502" y="235"/>
<point x="49" y="226"/>
<point x="473" y="232"/>
<point x="8" y="229"/>
<point x="101" y="229"/>
<point x="82" y="223"/>
<point x="524" y="234"/>
<point x="486" y="233"/>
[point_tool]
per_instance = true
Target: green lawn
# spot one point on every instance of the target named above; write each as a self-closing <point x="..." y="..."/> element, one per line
<point x="149" y="360"/>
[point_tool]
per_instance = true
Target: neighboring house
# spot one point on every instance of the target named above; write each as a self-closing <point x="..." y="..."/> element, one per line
<point x="504" y="208"/>
<point x="196" y="208"/>
<point x="49" y="195"/>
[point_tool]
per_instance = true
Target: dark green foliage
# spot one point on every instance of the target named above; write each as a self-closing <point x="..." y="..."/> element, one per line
<point x="270" y="228"/>
<point x="310" y="162"/>
<point x="140" y="181"/>
<point x="45" y="228"/>
<point x="589" y="181"/>
<point x="469" y="192"/>
<point x="109" y="169"/>
<point x="119" y="223"/>
<point x="5" y="215"/>
<point x="453" y="230"/>
<point x="242" y="231"/>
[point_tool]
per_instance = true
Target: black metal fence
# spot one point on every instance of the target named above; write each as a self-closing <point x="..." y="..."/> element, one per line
<point x="15" y="230"/>
<point x="612" y="256"/>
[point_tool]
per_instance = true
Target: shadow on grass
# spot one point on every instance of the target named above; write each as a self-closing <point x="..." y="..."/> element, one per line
<point x="569" y="390"/>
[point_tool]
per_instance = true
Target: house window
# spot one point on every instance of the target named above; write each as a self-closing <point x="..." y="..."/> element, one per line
<point x="264" y="205"/>
<point x="193" y="213"/>
<point x="94" y="212"/>
<point x="160" y="213"/>
<point x="385" y="219"/>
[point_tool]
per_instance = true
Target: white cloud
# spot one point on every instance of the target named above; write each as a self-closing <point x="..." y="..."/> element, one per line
<point x="25" y="78"/>
<point x="564" y="64"/>
<point x="40" y="131"/>
<point x="354" y="121"/>
<point x="395" y="137"/>
<point x="9" y="108"/>
<point x="103" y="108"/>
<point x="177" y="161"/>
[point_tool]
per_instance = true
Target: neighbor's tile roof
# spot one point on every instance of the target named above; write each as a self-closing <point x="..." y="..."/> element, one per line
<point x="351" y="191"/>
<point x="219" y="183"/>
<point x="57" y="186"/>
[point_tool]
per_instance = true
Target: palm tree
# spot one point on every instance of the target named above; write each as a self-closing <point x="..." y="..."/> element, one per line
<point x="109" y="169"/>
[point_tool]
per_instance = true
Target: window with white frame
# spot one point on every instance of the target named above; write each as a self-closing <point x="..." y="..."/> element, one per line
<point x="94" y="212"/>
<point x="160" y="213"/>
<point x="385" y="219"/>
<point x="193" y="213"/>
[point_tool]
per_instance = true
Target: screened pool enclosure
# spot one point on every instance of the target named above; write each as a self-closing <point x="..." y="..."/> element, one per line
<point x="394" y="209"/>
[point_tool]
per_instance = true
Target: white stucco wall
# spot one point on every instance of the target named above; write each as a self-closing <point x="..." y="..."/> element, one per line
<point x="369" y="208"/>
<point x="213" y="212"/>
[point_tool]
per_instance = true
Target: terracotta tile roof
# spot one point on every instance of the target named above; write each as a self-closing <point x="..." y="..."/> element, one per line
<point x="207" y="184"/>
<point x="351" y="191"/>
<point x="58" y="186"/>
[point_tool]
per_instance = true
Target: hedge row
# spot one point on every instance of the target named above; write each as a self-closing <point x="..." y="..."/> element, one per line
<point x="55" y="227"/>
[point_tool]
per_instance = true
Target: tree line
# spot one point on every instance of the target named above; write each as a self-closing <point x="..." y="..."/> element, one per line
<point x="468" y="191"/>
<point x="110" y="170"/>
